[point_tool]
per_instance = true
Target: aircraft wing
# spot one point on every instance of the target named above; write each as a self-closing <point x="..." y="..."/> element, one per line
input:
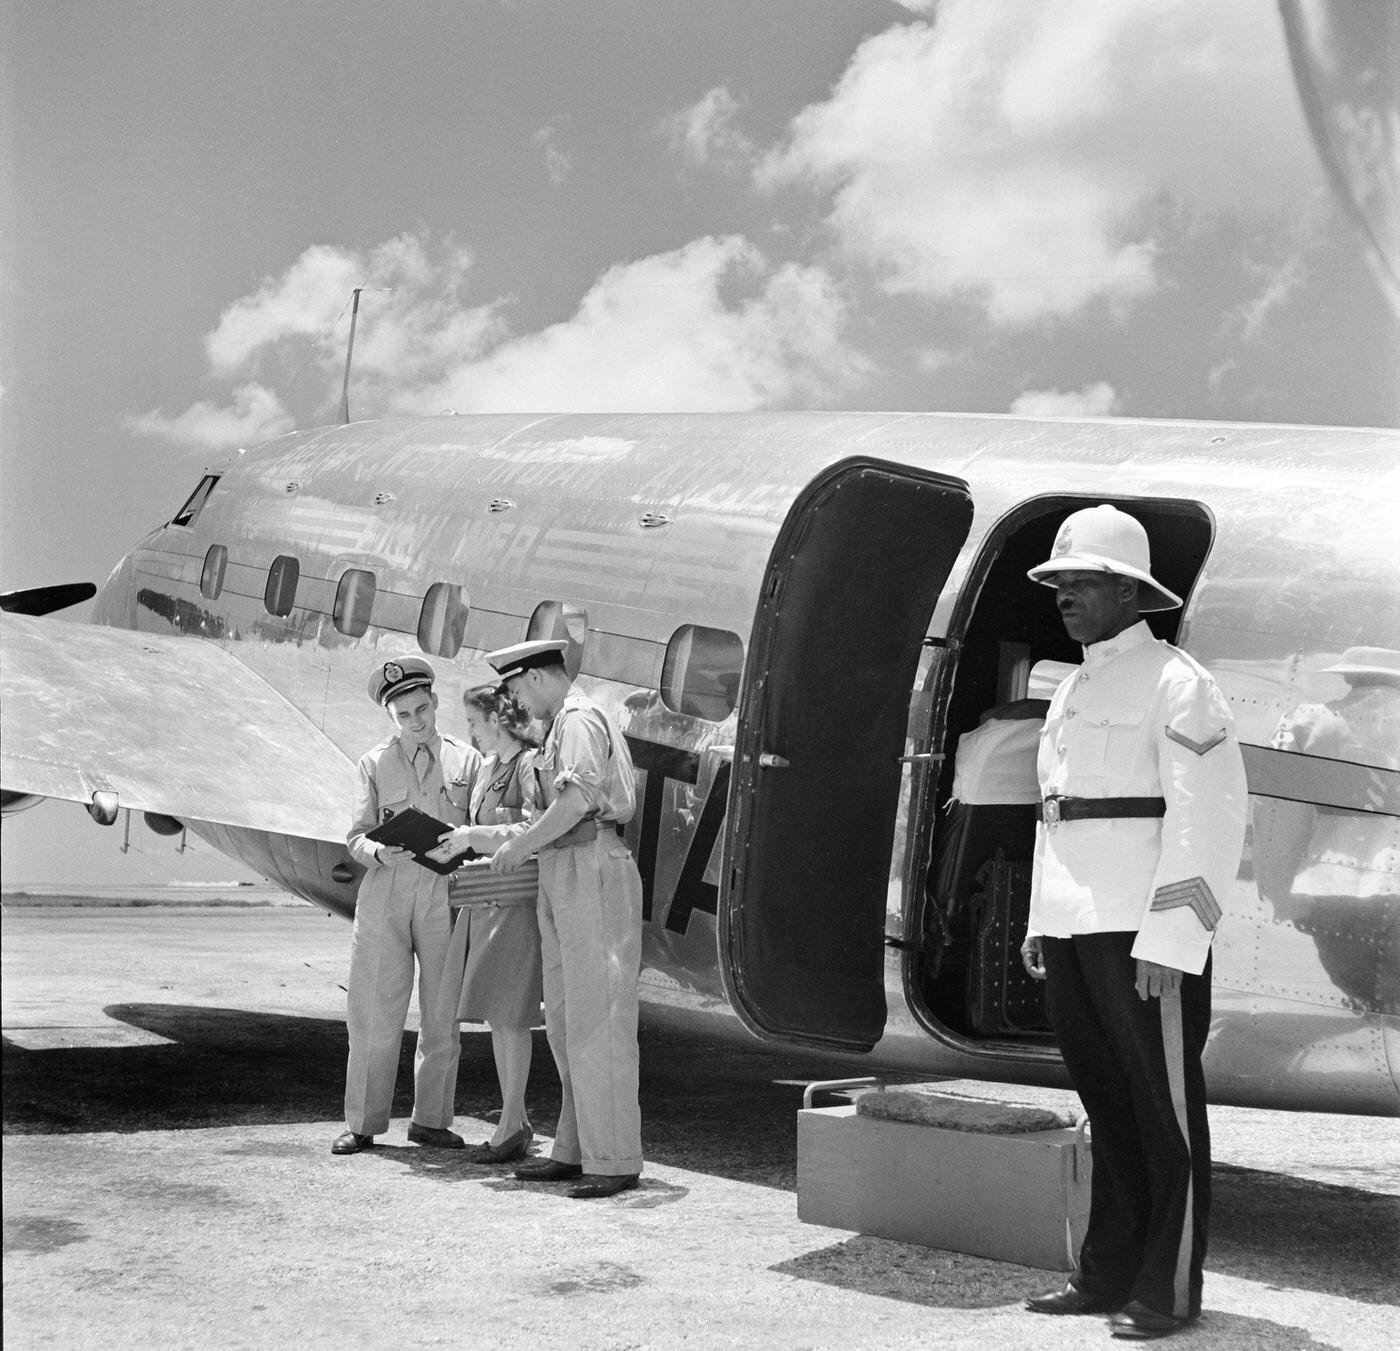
<point x="170" y="725"/>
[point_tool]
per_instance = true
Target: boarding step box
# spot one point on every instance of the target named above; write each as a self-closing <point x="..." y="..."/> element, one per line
<point x="1014" y="1198"/>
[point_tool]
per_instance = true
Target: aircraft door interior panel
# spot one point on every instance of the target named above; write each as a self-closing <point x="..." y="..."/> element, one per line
<point x="845" y="603"/>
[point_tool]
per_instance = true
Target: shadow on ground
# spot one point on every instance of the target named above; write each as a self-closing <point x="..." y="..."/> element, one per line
<point x="717" y="1108"/>
<point x="726" y="1111"/>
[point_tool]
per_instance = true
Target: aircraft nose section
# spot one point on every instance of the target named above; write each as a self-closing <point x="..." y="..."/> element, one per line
<point x="116" y="601"/>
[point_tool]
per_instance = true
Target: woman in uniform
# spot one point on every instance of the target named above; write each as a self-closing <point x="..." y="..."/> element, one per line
<point x="493" y="964"/>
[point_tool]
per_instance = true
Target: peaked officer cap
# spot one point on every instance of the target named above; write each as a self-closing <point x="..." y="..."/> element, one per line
<point x="1104" y="539"/>
<point x="398" y="677"/>
<point x="514" y="661"/>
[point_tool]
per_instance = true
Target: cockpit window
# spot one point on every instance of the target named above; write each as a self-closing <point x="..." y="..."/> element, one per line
<point x="195" y="503"/>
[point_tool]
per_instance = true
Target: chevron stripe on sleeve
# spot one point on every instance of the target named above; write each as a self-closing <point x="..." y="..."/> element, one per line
<point x="1193" y="892"/>
<point x="1200" y="747"/>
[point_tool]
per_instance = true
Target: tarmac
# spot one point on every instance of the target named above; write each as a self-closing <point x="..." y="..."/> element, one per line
<point x="172" y="1084"/>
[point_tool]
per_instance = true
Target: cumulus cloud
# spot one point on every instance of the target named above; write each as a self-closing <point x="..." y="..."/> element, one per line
<point x="1092" y="401"/>
<point x="416" y="324"/>
<point x="711" y="326"/>
<point x="1011" y="154"/>
<point x="256" y="414"/>
<point x="421" y="317"/>
<point x="707" y="133"/>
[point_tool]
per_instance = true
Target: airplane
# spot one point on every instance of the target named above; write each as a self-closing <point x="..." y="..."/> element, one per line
<point x="794" y="617"/>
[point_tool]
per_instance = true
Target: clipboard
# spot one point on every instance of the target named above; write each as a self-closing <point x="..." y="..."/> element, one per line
<point x="417" y="831"/>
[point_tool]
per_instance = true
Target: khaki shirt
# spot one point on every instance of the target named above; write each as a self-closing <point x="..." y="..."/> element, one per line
<point x="585" y="748"/>
<point x="1141" y="718"/>
<point x="388" y="782"/>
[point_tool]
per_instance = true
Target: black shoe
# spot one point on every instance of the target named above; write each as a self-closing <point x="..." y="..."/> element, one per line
<point x="548" y="1170"/>
<point x="511" y="1148"/>
<point x="435" y="1136"/>
<point x="1140" y="1323"/>
<point x="1072" y="1300"/>
<point x="593" y="1185"/>
<point x="351" y="1143"/>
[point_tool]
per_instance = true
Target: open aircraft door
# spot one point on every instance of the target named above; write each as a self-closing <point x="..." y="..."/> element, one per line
<point x="845" y="605"/>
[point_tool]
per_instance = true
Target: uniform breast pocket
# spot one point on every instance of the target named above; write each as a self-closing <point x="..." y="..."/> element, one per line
<point x="1111" y="736"/>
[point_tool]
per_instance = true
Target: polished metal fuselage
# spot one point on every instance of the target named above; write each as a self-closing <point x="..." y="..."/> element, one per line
<point x="650" y="522"/>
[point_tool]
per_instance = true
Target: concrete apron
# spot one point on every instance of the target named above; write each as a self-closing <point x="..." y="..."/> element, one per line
<point x="258" y="1236"/>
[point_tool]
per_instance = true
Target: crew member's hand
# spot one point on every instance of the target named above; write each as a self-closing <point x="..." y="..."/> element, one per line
<point x="1032" y="957"/>
<point x="456" y="841"/>
<point x="1154" y="981"/>
<point x="509" y="856"/>
<point x="391" y="855"/>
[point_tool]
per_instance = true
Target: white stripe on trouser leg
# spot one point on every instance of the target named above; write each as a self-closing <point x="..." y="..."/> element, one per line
<point x="1174" y="1050"/>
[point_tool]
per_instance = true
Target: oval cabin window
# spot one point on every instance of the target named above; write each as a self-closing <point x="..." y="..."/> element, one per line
<point x="700" y="675"/>
<point x="280" y="594"/>
<point x="442" y="623"/>
<point x="560" y="619"/>
<point x="211" y="579"/>
<point x="354" y="602"/>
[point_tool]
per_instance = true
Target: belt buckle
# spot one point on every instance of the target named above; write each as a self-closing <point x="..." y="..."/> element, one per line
<point x="1050" y="811"/>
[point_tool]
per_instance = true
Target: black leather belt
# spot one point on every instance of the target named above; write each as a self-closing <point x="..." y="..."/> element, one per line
<point x="1055" y="808"/>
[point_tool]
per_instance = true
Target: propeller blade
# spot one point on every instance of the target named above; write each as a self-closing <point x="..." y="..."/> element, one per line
<point x="44" y="600"/>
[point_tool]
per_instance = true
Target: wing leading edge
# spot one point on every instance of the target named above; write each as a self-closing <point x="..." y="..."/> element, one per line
<point x="175" y="726"/>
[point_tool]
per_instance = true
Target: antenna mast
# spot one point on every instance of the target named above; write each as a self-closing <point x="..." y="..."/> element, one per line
<point x="349" y="351"/>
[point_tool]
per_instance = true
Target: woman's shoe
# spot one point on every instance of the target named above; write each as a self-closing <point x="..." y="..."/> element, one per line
<point x="511" y="1148"/>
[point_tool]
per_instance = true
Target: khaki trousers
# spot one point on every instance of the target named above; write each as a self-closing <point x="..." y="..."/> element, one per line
<point x="393" y="925"/>
<point x="590" y="913"/>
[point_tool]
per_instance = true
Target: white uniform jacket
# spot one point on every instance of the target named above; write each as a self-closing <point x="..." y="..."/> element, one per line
<point x="1140" y="718"/>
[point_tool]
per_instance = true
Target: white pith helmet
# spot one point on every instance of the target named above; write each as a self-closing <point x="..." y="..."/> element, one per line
<point x="1104" y="539"/>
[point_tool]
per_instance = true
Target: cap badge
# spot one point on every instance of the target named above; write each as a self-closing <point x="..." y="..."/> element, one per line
<point x="393" y="672"/>
<point x="1063" y="541"/>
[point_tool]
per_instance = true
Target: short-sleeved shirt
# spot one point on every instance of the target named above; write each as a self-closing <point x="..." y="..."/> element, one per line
<point x="584" y="748"/>
<point x="1141" y="718"/>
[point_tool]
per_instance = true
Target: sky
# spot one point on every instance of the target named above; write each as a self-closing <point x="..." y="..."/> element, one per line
<point x="973" y="205"/>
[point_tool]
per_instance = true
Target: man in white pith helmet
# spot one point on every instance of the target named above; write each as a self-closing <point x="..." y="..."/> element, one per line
<point x="402" y="912"/>
<point x="590" y="914"/>
<point x="1142" y="826"/>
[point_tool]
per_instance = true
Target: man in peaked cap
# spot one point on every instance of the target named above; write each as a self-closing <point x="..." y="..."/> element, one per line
<point x="1142" y="825"/>
<point x="590" y="914"/>
<point x="401" y="913"/>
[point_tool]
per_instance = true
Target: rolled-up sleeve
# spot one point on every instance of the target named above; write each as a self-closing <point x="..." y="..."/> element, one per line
<point x="582" y="757"/>
<point x="1203" y="782"/>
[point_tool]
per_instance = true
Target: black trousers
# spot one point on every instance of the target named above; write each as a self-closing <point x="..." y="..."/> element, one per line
<point x="1136" y="1065"/>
